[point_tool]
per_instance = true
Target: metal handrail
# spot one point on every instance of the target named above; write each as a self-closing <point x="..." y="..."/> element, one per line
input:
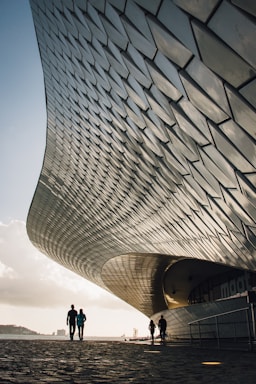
<point x="246" y="309"/>
<point x="219" y="314"/>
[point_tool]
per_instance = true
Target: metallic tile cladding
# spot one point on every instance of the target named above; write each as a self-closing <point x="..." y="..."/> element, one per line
<point x="151" y="127"/>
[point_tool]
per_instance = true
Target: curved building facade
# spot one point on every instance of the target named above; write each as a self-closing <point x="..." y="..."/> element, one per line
<point x="148" y="182"/>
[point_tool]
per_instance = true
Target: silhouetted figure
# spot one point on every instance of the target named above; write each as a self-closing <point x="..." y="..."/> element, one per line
<point x="81" y="318"/>
<point x="71" y="320"/>
<point x="162" y="324"/>
<point x="152" y="328"/>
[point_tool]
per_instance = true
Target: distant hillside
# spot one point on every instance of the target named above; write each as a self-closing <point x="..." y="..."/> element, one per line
<point x="15" y="330"/>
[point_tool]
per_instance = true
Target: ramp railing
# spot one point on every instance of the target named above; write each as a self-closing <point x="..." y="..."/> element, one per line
<point x="224" y="326"/>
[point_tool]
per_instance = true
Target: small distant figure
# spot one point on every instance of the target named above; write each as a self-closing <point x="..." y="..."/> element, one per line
<point x="152" y="328"/>
<point x="81" y="318"/>
<point x="71" y="321"/>
<point x="162" y="325"/>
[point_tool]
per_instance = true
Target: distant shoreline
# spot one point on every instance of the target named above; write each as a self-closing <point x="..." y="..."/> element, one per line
<point x="60" y="338"/>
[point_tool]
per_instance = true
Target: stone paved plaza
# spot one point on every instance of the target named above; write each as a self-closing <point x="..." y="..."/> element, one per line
<point x="47" y="361"/>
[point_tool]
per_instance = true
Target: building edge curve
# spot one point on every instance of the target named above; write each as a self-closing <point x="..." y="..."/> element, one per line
<point x="149" y="171"/>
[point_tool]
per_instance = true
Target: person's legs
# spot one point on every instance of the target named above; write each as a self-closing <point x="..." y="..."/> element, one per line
<point x="162" y="335"/>
<point x="70" y="332"/>
<point x="72" y="329"/>
<point x="82" y="332"/>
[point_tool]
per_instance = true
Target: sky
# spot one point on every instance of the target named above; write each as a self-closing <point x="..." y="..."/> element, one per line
<point x="36" y="292"/>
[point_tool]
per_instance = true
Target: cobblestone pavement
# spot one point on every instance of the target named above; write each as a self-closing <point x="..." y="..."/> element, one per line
<point x="48" y="361"/>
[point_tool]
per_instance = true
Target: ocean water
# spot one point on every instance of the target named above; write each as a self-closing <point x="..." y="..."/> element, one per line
<point x="58" y="338"/>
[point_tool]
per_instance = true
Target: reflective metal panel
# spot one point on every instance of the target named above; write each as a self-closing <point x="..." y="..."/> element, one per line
<point x="150" y="155"/>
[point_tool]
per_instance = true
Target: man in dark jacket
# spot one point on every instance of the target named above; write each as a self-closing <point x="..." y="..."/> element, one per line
<point x="162" y="324"/>
<point x="71" y="321"/>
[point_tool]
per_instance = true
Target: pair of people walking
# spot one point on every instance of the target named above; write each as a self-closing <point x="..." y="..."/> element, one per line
<point x="73" y="319"/>
<point x="162" y="325"/>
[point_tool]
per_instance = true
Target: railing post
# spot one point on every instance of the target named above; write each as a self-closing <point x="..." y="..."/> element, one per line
<point x="253" y="320"/>
<point x="199" y="333"/>
<point x="217" y="331"/>
<point x="249" y="330"/>
<point x="234" y="326"/>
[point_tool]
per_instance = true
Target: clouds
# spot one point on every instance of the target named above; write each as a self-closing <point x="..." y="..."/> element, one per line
<point x="36" y="292"/>
<point x="25" y="278"/>
<point x="28" y="278"/>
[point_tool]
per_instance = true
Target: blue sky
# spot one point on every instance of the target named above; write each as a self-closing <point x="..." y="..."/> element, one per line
<point x="31" y="285"/>
<point x="23" y="113"/>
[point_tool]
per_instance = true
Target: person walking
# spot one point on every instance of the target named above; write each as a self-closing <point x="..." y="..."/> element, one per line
<point x="162" y="325"/>
<point x="152" y="328"/>
<point x="81" y="318"/>
<point x="71" y="321"/>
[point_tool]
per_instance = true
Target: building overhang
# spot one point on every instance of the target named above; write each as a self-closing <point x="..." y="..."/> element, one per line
<point x="150" y="153"/>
